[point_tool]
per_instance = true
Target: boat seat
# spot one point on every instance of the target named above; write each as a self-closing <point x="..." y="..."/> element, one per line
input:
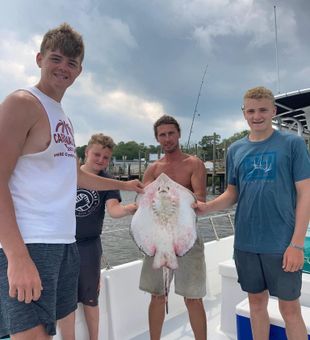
<point x="277" y="328"/>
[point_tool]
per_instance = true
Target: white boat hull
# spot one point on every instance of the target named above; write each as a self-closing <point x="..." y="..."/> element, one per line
<point x="124" y="308"/>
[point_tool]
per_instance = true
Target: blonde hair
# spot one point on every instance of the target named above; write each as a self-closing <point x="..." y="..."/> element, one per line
<point x="259" y="92"/>
<point x="100" y="138"/>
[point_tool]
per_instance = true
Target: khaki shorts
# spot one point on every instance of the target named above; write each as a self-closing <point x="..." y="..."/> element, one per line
<point x="190" y="276"/>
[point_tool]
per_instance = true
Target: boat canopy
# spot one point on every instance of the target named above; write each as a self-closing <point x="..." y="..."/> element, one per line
<point x="293" y="112"/>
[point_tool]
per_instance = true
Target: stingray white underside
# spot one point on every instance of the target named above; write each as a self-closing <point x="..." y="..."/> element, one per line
<point x="164" y="225"/>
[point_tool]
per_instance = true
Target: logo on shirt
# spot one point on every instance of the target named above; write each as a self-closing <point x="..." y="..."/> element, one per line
<point x="86" y="202"/>
<point x="260" y="166"/>
<point x="64" y="135"/>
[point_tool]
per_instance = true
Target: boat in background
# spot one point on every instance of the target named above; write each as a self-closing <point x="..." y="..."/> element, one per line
<point x="124" y="308"/>
<point x="293" y="112"/>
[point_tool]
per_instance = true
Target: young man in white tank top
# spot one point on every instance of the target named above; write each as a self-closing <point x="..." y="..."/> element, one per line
<point x="38" y="182"/>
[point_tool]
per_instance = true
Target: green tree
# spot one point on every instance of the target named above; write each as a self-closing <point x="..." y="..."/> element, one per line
<point x="153" y="148"/>
<point x="80" y="153"/>
<point x="130" y="150"/>
<point x="235" y="137"/>
<point x="206" y="145"/>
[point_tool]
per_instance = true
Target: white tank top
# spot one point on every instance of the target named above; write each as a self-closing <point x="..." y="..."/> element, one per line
<point x="43" y="185"/>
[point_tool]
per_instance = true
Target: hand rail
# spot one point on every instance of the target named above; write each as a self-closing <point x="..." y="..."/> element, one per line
<point x="211" y="218"/>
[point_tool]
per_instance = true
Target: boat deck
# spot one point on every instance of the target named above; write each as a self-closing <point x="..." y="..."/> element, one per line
<point x="124" y="308"/>
<point x="178" y="328"/>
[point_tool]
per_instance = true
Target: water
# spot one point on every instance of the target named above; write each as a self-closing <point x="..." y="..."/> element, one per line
<point x="119" y="247"/>
<point x="306" y="268"/>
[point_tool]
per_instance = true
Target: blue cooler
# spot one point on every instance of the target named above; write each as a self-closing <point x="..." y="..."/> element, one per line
<point x="244" y="331"/>
<point x="277" y="330"/>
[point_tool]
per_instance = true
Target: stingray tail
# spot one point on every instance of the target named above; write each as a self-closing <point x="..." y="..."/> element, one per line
<point x="166" y="279"/>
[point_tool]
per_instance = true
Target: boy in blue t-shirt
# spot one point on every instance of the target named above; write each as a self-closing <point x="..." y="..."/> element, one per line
<point x="269" y="176"/>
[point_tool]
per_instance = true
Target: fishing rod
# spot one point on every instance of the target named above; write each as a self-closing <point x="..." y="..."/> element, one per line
<point x="276" y="47"/>
<point x="195" y="110"/>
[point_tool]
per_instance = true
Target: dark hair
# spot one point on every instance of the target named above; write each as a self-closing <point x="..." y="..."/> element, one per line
<point x="64" y="38"/>
<point x="165" y="119"/>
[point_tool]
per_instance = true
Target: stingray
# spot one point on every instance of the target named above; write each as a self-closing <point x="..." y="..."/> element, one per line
<point x="164" y="225"/>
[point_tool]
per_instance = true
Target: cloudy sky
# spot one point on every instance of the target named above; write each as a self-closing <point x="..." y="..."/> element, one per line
<point x="145" y="58"/>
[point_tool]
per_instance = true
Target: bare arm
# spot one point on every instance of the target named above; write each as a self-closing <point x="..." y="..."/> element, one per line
<point x="302" y="211"/>
<point x="92" y="182"/>
<point x="16" y="122"/>
<point x="149" y="174"/>
<point x="293" y="258"/>
<point x="198" y="180"/>
<point x="224" y="201"/>
<point x="117" y="210"/>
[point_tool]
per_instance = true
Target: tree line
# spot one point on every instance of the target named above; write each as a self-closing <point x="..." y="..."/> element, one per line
<point x="204" y="149"/>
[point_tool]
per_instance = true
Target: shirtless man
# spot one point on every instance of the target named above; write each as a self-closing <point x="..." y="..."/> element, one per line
<point x="38" y="180"/>
<point x="190" y="280"/>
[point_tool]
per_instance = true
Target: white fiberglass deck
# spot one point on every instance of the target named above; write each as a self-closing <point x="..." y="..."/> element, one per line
<point x="124" y="308"/>
<point x="178" y="328"/>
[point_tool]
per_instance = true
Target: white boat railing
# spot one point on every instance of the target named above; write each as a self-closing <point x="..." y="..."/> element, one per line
<point x="215" y="222"/>
<point x="228" y="215"/>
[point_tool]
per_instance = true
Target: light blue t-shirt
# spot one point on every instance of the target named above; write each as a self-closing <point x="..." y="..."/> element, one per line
<point x="264" y="174"/>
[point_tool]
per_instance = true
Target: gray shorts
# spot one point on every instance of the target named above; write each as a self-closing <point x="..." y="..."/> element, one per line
<point x="90" y="268"/>
<point x="58" y="266"/>
<point x="259" y="272"/>
<point x="190" y="276"/>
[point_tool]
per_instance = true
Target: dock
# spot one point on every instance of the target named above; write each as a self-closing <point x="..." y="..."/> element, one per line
<point x="129" y="170"/>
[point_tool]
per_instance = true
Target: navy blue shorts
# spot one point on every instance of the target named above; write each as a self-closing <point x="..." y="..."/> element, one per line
<point x="259" y="272"/>
<point x="90" y="268"/>
<point x="58" y="266"/>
